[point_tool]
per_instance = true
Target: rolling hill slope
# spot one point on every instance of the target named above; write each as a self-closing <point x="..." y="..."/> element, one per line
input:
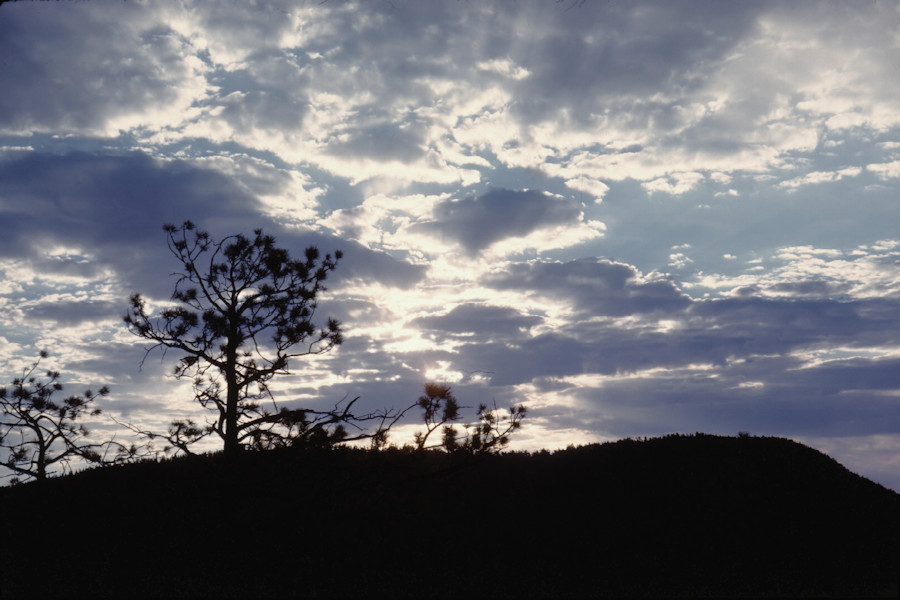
<point x="678" y="515"/>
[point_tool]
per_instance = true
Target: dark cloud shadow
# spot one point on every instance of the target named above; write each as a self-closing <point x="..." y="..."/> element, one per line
<point x="476" y="222"/>
<point x="594" y="286"/>
<point x="112" y="208"/>
<point x="481" y="320"/>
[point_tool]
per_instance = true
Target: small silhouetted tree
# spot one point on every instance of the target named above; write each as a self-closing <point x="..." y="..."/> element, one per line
<point x="441" y="409"/>
<point x="244" y="309"/>
<point x="489" y="435"/>
<point x="39" y="433"/>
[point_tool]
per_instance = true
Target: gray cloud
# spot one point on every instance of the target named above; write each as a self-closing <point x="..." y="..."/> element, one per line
<point x="74" y="313"/>
<point x="640" y="50"/>
<point x="383" y="142"/>
<point x="477" y="222"/>
<point x="775" y="326"/>
<point x="703" y="402"/>
<point x="600" y="287"/>
<point x="810" y="288"/>
<point x="78" y="53"/>
<point x="273" y="110"/>
<point x="113" y="207"/>
<point x="728" y="335"/>
<point x="483" y="320"/>
<point x="361" y="263"/>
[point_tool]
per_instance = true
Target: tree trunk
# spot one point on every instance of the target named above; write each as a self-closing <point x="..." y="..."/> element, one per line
<point x="231" y="400"/>
<point x="42" y="454"/>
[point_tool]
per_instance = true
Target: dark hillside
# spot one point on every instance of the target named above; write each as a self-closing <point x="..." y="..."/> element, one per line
<point x="679" y="515"/>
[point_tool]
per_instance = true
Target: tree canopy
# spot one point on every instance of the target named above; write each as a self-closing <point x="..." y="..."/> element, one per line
<point x="245" y="309"/>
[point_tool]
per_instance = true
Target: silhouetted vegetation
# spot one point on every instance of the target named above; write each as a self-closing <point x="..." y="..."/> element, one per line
<point x="244" y="309"/>
<point x="440" y="408"/>
<point x="674" y="516"/>
<point x="39" y="433"/>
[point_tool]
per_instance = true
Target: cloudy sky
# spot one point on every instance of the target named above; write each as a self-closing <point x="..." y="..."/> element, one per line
<point x="635" y="217"/>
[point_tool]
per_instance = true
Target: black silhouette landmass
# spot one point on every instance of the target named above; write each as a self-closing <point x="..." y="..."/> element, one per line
<point x="682" y="515"/>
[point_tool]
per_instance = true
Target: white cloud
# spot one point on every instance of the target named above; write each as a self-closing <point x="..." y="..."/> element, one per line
<point x="383" y="220"/>
<point x="503" y="66"/>
<point x="679" y="260"/>
<point x="676" y="183"/>
<point x="870" y="272"/>
<point x="594" y="187"/>
<point x="885" y="171"/>
<point x="821" y="177"/>
<point x="288" y="195"/>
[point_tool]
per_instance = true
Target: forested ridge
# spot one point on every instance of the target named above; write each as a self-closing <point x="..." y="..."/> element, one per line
<point x="677" y="515"/>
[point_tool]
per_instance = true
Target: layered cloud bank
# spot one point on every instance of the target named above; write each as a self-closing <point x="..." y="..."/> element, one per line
<point x="636" y="218"/>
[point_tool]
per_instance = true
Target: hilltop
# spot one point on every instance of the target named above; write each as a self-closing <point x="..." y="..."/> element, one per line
<point x="677" y="515"/>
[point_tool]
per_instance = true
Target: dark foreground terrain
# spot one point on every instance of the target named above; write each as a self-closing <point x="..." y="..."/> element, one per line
<point x="674" y="516"/>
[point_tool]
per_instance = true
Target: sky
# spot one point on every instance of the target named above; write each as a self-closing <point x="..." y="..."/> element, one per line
<point x="634" y="217"/>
